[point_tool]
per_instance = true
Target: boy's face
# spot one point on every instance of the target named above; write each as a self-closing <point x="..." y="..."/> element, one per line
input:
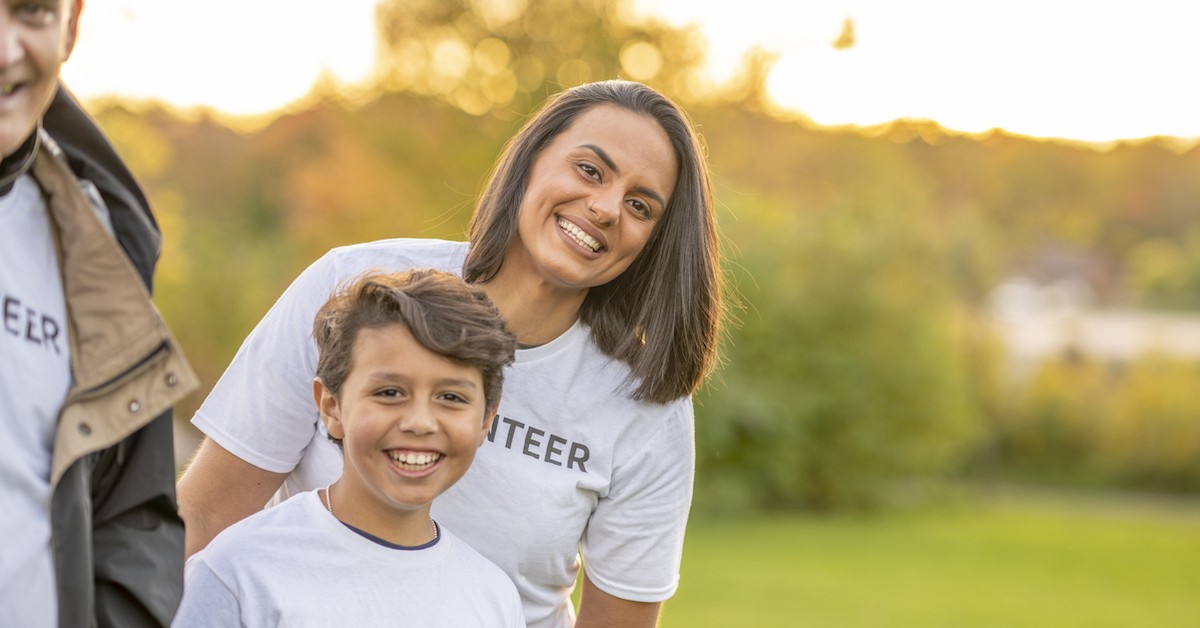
<point x="410" y="421"/>
<point x="36" y="36"/>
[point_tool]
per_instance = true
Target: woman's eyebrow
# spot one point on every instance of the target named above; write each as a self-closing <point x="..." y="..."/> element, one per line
<point x="603" y="155"/>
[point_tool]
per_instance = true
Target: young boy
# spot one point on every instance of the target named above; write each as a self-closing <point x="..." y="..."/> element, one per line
<point x="408" y="379"/>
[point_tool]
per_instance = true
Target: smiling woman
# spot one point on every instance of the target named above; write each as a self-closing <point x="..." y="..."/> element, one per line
<point x="596" y="238"/>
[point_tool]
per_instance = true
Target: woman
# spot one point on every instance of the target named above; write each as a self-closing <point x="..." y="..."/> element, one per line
<point x="596" y="238"/>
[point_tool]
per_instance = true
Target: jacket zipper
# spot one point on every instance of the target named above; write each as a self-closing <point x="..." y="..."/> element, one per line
<point x="103" y="388"/>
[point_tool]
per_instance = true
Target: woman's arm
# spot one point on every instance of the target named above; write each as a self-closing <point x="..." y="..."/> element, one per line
<point x="219" y="489"/>
<point x="598" y="609"/>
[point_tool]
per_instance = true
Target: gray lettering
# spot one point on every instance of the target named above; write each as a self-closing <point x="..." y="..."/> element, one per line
<point x="538" y="443"/>
<point x="552" y="450"/>
<point x="579" y="453"/>
<point x="529" y="440"/>
<point x="512" y="429"/>
<point x="50" y="333"/>
<point x="492" y="430"/>
<point x="11" y="306"/>
<point x="30" y="316"/>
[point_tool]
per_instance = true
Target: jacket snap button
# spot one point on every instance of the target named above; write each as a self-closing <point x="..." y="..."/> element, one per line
<point x="85" y="429"/>
<point x="134" y="405"/>
<point x="172" y="379"/>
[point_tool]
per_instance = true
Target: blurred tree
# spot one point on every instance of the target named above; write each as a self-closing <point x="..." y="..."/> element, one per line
<point x="505" y="57"/>
<point x="854" y="249"/>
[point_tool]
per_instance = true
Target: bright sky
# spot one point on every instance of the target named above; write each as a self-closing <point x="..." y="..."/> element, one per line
<point x="1091" y="70"/>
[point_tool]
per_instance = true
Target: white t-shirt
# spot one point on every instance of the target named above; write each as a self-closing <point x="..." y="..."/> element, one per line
<point x="295" y="565"/>
<point x="572" y="465"/>
<point x="35" y="374"/>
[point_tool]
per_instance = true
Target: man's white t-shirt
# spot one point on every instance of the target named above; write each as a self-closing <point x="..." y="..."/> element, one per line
<point x="296" y="565"/>
<point x="35" y="375"/>
<point x="572" y="466"/>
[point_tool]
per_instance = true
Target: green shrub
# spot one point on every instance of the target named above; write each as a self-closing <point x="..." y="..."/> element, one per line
<point x="1076" y="421"/>
<point x="846" y="378"/>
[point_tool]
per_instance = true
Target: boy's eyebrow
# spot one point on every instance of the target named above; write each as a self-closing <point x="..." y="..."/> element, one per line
<point x="612" y="165"/>
<point x="455" y="381"/>
<point x="389" y="377"/>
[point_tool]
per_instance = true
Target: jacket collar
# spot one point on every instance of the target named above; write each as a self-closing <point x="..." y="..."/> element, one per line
<point x="18" y="163"/>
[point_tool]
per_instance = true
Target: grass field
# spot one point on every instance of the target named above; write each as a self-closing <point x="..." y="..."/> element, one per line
<point x="1024" y="560"/>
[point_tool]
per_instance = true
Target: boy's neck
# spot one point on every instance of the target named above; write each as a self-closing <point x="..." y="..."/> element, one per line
<point x="410" y="528"/>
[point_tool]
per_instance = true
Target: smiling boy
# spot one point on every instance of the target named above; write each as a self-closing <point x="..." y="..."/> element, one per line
<point x="408" y="379"/>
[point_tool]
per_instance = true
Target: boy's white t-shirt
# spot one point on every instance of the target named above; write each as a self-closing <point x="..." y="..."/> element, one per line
<point x="296" y="565"/>
<point x="572" y="466"/>
<point x="35" y="375"/>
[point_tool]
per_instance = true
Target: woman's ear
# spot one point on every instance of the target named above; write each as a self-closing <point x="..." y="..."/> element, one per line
<point x="327" y="405"/>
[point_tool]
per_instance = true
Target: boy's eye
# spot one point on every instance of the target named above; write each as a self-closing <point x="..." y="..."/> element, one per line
<point x="454" y="397"/>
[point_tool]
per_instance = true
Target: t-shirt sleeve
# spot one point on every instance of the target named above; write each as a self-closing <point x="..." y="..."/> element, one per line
<point x="261" y="409"/>
<point x="207" y="600"/>
<point x="633" y="543"/>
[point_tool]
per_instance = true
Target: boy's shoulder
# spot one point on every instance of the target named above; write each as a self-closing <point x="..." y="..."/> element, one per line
<point x="470" y="557"/>
<point x="475" y="571"/>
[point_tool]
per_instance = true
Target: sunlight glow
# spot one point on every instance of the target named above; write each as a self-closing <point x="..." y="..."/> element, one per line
<point x="242" y="58"/>
<point x="1046" y="68"/>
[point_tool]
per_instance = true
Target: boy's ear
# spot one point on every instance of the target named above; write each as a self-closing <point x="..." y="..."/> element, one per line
<point x="72" y="26"/>
<point x="327" y="405"/>
<point x="489" y="417"/>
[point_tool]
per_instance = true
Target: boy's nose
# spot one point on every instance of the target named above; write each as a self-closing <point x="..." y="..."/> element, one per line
<point x="418" y="419"/>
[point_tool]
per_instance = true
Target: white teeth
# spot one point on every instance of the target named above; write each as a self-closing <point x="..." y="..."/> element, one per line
<point x="579" y="235"/>
<point x="414" y="459"/>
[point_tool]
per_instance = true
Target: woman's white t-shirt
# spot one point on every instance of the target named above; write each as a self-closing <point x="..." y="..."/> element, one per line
<point x="572" y="466"/>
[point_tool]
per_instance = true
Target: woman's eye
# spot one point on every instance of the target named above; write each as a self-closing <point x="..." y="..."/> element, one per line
<point x="640" y="207"/>
<point x="590" y="170"/>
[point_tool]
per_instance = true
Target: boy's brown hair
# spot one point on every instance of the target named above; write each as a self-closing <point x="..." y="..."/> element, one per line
<point x="443" y="313"/>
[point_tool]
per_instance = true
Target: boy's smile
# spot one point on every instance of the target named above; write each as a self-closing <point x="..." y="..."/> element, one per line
<point x="410" y="421"/>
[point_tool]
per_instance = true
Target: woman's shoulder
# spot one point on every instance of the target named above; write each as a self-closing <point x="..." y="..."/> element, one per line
<point x="267" y="526"/>
<point x="618" y="380"/>
<point x="397" y="254"/>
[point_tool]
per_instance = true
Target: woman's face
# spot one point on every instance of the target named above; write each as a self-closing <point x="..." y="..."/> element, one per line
<point x="594" y="195"/>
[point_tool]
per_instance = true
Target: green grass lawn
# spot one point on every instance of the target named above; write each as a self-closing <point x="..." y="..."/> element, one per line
<point x="1013" y="561"/>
